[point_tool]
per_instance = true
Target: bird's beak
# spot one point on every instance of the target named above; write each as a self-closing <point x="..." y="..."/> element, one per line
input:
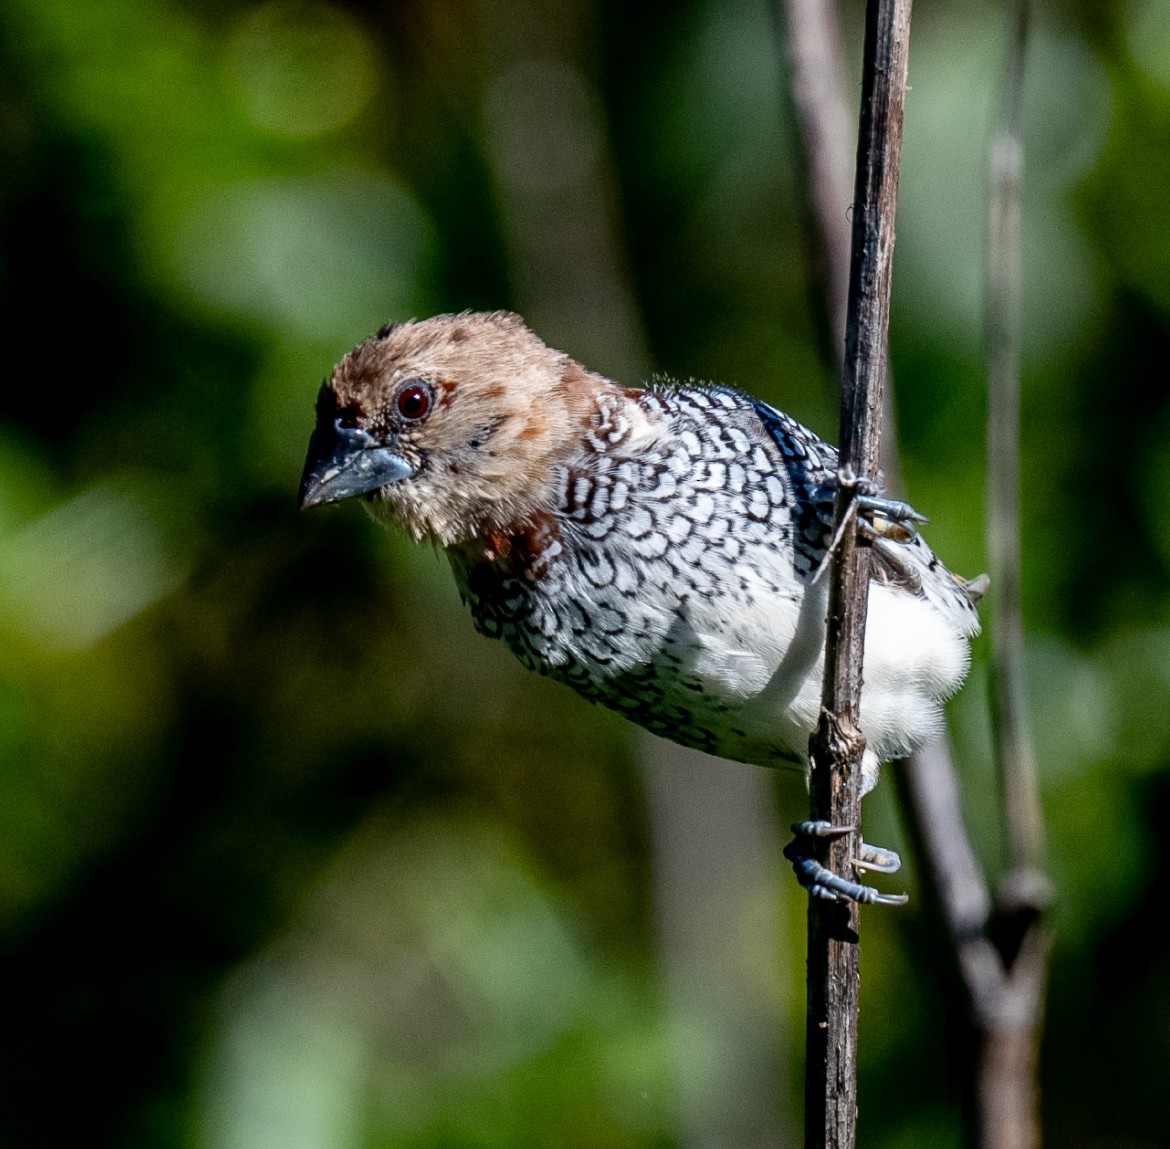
<point x="347" y="461"/>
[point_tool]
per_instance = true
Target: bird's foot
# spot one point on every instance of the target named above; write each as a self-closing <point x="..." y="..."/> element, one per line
<point x="887" y="518"/>
<point x="878" y="859"/>
<point x="875" y="516"/>
<point x="821" y="882"/>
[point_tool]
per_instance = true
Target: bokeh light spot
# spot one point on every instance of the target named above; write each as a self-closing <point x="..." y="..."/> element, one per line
<point x="74" y="575"/>
<point x="328" y="256"/>
<point x="300" y="69"/>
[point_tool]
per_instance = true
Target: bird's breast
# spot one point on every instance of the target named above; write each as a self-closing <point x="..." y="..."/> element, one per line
<point x="663" y="585"/>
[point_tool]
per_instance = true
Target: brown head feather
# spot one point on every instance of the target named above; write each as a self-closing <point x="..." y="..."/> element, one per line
<point x="506" y="411"/>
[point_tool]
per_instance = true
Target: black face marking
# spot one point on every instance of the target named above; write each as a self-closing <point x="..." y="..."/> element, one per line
<point x="329" y="409"/>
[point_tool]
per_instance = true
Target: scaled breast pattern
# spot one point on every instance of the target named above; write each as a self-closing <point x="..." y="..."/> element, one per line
<point x="675" y="587"/>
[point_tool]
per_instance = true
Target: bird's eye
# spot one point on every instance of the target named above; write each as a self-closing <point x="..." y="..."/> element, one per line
<point x="414" y="402"/>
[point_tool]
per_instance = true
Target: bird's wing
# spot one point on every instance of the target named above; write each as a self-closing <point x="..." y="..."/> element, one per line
<point x="909" y="565"/>
<point x="811" y="464"/>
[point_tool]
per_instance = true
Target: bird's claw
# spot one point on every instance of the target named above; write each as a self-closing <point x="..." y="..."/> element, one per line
<point x="818" y="828"/>
<point x="875" y="516"/>
<point x="893" y="509"/>
<point x="821" y="882"/>
<point x="888" y="518"/>
<point x="878" y="859"/>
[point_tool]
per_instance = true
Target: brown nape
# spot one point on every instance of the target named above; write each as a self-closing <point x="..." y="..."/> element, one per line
<point x="573" y="374"/>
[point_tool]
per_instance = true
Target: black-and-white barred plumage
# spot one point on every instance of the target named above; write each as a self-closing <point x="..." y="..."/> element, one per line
<point x="671" y="579"/>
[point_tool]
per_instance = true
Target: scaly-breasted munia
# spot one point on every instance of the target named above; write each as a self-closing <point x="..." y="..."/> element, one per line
<point x="653" y="548"/>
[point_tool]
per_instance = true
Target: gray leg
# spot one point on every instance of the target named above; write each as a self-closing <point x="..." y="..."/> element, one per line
<point x="892" y="509"/>
<point x="821" y="882"/>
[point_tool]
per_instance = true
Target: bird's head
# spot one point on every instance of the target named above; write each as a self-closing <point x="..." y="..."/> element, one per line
<point x="452" y="425"/>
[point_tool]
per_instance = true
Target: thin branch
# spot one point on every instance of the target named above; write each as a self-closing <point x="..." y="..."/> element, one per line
<point x="837" y="746"/>
<point x="1014" y="755"/>
<point x="951" y="872"/>
<point x="823" y="129"/>
<point x="822" y="121"/>
<point x="998" y="951"/>
<point x="1008" y="1018"/>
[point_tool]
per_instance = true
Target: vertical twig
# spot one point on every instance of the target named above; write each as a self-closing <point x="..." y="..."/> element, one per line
<point x="997" y="950"/>
<point x="837" y="746"/>
<point x="820" y="114"/>
<point x="1008" y="1025"/>
<point x="820" y="117"/>
<point x="1015" y="760"/>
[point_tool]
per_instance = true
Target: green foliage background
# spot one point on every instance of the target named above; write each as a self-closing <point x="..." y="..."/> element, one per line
<point x="288" y="855"/>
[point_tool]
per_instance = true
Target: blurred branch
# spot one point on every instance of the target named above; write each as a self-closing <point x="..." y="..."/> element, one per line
<point x="713" y="824"/>
<point x="1001" y="994"/>
<point x="822" y="122"/>
<point x="1015" y="759"/>
<point x="837" y="745"/>
<point x="819" y="113"/>
<point x="1008" y="1017"/>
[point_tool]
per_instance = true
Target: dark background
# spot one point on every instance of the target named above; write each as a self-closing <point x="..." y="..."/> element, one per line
<point x="288" y="855"/>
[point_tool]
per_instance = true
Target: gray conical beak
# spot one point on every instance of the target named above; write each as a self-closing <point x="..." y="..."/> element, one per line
<point x="346" y="461"/>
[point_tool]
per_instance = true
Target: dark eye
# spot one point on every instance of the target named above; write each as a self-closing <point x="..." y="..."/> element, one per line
<point x="414" y="401"/>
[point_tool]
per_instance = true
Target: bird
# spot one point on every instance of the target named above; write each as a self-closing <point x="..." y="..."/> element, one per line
<point x="659" y="549"/>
